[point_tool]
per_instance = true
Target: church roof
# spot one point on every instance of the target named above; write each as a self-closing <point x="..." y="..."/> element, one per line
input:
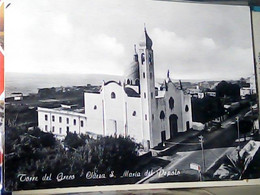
<point x="132" y="70"/>
<point x="146" y="41"/>
<point x="149" y="42"/>
<point x="164" y="85"/>
<point x="131" y="92"/>
<point x="108" y="82"/>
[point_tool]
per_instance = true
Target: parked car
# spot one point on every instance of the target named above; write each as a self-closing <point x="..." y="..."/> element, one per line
<point x="214" y="126"/>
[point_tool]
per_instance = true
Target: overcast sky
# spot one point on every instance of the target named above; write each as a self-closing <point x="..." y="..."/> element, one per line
<point x="193" y="41"/>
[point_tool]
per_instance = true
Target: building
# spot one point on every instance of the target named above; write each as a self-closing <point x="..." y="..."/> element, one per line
<point x="195" y="92"/>
<point x="17" y="96"/>
<point x="249" y="87"/>
<point x="135" y="107"/>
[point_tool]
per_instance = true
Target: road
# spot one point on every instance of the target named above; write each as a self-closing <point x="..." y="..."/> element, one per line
<point x="181" y="161"/>
<point x="216" y="144"/>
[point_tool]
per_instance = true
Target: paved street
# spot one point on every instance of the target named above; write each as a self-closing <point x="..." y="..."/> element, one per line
<point x="181" y="161"/>
<point x="216" y="144"/>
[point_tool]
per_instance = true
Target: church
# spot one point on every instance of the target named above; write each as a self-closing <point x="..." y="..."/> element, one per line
<point x="135" y="107"/>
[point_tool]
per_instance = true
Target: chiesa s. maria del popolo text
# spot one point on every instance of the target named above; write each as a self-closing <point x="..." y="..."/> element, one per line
<point x="135" y="108"/>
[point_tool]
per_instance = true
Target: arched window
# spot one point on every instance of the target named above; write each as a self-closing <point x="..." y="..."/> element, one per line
<point x="186" y="108"/>
<point x="82" y="123"/>
<point x="142" y="58"/>
<point x="134" y="113"/>
<point x="162" y="115"/>
<point x="113" y="95"/>
<point x="137" y="83"/>
<point x="171" y="103"/>
<point x="143" y="74"/>
<point x="95" y="107"/>
<point x="128" y="81"/>
<point x="150" y="59"/>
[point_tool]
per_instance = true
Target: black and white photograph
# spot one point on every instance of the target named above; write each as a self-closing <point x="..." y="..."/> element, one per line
<point x="116" y="92"/>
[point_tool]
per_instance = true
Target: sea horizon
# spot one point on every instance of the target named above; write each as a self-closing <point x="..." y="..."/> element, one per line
<point x="29" y="83"/>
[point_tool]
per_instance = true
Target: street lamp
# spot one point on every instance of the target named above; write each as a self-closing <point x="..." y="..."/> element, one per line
<point x="202" y="150"/>
<point x="238" y="135"/>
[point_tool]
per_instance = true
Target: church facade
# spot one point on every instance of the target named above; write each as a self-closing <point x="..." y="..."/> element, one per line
<point x="135" y="107"/>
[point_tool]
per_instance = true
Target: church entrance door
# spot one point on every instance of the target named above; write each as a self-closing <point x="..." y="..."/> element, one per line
<point x="173" y="125"/>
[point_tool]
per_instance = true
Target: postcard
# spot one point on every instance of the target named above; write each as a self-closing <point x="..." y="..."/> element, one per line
<point x="1" y="90"/>
<point x="101" y="93"/>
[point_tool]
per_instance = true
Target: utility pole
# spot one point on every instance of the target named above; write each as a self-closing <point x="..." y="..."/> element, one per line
<point x="239" y="147"/>
<point x="238" y="135"/>
<point x="202" y="151"/>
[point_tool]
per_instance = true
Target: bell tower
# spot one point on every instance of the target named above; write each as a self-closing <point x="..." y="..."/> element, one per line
<point x="147" y="88"/>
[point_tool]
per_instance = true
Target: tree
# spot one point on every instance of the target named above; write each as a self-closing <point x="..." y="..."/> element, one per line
<point x="206" y="109"/>
<point x="221" y="89"/>
<point x="224" y="89"/>
<point x="35" y="153"/>
<point x="72" y="140"/>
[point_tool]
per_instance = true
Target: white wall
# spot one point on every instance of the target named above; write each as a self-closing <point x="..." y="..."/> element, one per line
<point x="114" y="109"/>
<point x="109" y="116"/>
<point x="116" y="113"/>
<point x="187" y="115"/>
<point x="162" y="104"/>
<point x="176" y="94"/>
<point x="58" y="127"/>
<point x="134" y="123"/>
<point x="159" y="124"/>
<point x="94" y="113"/>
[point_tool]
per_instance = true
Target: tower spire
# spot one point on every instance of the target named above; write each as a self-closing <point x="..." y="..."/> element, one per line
<point x="168" y="76"/>
<point x="180" y="84"/>
<point x="135" y="55"/>
<point x="148" y="40"/>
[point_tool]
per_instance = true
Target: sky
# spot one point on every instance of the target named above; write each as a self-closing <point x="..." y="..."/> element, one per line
<point x="193" y="41"/>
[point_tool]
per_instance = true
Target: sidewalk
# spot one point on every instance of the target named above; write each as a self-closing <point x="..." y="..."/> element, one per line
<point x="174" y="142"/>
